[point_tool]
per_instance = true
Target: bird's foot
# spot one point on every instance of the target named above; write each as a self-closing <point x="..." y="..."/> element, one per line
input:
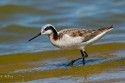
<point x="83" y="62"/>
<point x="71" y="63"/>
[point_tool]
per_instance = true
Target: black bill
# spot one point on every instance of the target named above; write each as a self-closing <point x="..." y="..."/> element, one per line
<point x="34" y="37"/>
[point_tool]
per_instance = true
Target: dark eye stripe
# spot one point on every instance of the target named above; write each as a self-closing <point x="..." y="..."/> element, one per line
<point x="48" y="28"/>
<point x="45" y="29"/>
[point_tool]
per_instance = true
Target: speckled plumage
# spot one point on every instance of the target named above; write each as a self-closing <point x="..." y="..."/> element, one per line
<point x="78" y="32"/>
<point x="75" y="38"/>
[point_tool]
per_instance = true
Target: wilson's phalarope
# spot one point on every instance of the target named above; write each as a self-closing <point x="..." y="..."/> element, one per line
<point x="73" y="38"/>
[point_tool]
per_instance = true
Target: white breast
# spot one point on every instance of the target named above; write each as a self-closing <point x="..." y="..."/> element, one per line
<point x="67" y="41"/>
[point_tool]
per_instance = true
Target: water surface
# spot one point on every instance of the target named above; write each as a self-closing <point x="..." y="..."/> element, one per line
<point x="32" y="62"/>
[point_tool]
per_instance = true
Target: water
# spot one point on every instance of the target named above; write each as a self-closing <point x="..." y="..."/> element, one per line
<point x="20" y="20"/>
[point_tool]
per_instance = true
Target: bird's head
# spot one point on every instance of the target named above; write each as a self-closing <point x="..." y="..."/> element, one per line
<point x="46" y="30"/>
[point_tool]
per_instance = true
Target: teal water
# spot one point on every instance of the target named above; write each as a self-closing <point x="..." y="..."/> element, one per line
<point x="21" y="20"/>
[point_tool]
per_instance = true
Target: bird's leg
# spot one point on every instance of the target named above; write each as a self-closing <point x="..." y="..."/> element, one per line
<point x="71" y="63"/>
<point x="86" y="55"/>
<point x="83" y="57"/>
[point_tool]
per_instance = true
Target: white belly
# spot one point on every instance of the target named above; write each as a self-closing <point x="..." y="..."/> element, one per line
<point x="67" y="41"/>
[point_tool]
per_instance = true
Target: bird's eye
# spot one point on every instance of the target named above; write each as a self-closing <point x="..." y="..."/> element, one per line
<point x="46" y="28"/>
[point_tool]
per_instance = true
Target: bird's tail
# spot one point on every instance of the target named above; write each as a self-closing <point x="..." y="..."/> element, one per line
<point x="106" y="28"/>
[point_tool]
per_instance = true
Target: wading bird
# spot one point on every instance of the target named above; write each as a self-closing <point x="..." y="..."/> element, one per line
<point x="73" y="38"/>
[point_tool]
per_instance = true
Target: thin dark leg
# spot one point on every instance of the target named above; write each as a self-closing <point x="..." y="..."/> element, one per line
<point x="83" y="57"/>
<point x="86" y="55"/>
<point x="71" y="63"/>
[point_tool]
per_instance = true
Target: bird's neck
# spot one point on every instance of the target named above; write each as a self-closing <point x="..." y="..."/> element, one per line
<point x="54" y="35"/>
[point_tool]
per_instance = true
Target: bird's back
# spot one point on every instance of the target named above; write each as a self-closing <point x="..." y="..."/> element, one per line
<point x="86" y="34"/>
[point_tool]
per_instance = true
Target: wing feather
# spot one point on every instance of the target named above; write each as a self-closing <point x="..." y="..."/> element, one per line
<point x="85" y="34"/>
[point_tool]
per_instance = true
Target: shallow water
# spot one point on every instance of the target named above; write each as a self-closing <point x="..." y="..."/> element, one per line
<point x="23" y="19"/>
<point x="103" y="65"/>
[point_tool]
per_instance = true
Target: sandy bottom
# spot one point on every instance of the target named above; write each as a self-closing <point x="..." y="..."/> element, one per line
<point x="105" y="64"/>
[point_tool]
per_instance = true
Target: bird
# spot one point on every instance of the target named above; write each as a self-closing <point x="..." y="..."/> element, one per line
<point x="77" y="38"/>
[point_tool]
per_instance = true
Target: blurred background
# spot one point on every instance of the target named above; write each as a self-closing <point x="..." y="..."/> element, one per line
<point x="20" y="20"/>
<point x="22" y="61"/>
